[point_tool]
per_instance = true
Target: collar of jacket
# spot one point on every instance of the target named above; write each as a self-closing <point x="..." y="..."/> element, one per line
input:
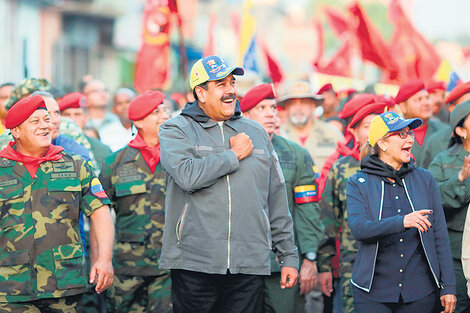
<point x="457" y="149"/>
<point x="194" y="111"/>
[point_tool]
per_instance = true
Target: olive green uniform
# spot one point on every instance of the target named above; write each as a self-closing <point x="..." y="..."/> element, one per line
<point x="297" y="168"/>
<point x="438" y="142"/>
<point x="41" y="254"/>
<point x="334" y="216"/>
<point x="138" y="197"/>
<point x="418" y="151"/>
<point x="455" y="200"/>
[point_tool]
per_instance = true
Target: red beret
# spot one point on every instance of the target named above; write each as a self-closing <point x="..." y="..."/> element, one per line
<point x="457" y="92"/>
<point x="436" y="85"/>
<point x="74" y="100"/>
<point x="23" y="109"/>
<point x="144" y="104"/>
<point x="347" y="92"/>
<point x="409" y="89"/>
<point x="375" y="107"/>
<point x="325" y="88"/>
<point x="255" y="95"/>
<point x="356" y="102"/>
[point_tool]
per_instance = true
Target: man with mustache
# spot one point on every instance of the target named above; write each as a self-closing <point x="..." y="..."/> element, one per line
<point x="303" y="128"/>
<point x="226" y="202"/>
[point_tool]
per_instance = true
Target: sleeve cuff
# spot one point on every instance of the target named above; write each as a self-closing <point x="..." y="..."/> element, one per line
<point x="290" y="261"/>
<point x="234" y="163"/>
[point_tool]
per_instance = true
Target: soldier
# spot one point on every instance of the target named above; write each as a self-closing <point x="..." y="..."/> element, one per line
<point x="437" y="95"/>
<point x="317" y="136"/>
<point x="259" y="104"/>
<point x="330" y="106"/>
<point x="42" y="191"/>
<point x="134" y="180"/>
<point x="72" y="106"/>
<point x="413" y="101"/>
<point x="437" y="142"/>
<point x="333" y="209"/>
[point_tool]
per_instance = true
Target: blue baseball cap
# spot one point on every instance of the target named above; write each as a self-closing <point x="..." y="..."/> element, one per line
<point x="389" y="122"/>
<point x="210" y="68"/>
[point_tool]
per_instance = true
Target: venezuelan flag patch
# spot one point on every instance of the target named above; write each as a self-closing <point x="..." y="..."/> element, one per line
<point x="315" y="170"/>
<point x="97" y="190"/>
<point x="305" y="194"/>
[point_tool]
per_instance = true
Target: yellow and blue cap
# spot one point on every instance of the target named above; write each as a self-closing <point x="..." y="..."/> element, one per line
<point x="389" y="122"/>
<point x="210" y="68"/>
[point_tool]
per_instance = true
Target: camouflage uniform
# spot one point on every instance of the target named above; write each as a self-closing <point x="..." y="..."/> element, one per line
<point x="41" y="254"/>
<point x="334" y="216"/>
<point x="138" y="197"/>
<point x="455" y="199"/>
<point x="297" y="168"/>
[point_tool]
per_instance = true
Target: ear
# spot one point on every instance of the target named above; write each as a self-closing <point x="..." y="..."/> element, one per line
<point x="461" y="132"/>
<point x="353" y="131"/>
<point x="382" y="144"/>
<point x="138" y="124"/>
<point x="201" y="94"/>
<point x="15" y="133"/>
<point x="403" y="107"/>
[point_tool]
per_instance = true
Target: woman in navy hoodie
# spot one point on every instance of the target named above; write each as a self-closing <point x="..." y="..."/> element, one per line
<point x="404" y="262"/>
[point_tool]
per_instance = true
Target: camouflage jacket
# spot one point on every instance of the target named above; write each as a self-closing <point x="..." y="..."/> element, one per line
<point x="334" y="217"/>
<point x="41" y="254"/>
<point x="297" y="168"/>
<point x="138" y="197"/>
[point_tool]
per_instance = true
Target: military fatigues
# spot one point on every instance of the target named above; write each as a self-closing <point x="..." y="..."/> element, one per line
<point x="437" y="143"/>
<point x="321" y="142"/>
<point x="297" y="168"/>
<point x="41" y="255"/>
<point x="334" y="216"/>
<point x="418" y="151"/>
<point x="455" y="200"/>
<point x="138" y="197"/>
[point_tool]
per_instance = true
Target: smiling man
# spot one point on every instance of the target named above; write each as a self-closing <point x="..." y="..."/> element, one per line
<point x="43" y="190"/>
<point x="226" y="202"/>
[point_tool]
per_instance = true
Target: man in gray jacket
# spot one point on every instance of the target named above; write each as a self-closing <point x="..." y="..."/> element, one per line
<point x="226" y="202"/>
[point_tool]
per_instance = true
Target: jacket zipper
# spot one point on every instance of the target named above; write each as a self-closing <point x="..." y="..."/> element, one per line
<point x="421" y="238"/>
<point x="180" y="224"/>
<point x="229" y="203"/>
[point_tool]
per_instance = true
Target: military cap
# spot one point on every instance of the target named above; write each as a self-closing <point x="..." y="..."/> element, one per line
<point x="374" y="107"/>
<point x="298" y="90"/>
<point x="355" y="104"/>
<point x="436" y="85"/>
<point x="255" y="95"/>
<point x="325" y="88"/>
<point x="74" y="100"/>
<point x="22" y="110"/>
<point x="461" y="111"/>
<point x="457" y="92"/>
<point x="144" y="104"/>
<point x="25" y="88"/>
<point x="408" y="90"/>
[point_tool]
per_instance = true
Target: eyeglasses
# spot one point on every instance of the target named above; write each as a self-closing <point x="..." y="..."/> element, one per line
<point x="402" y="133"/>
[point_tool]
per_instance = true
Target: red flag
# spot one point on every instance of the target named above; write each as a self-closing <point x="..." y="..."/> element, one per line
<point x="210" y="46"/>
<point x="372" y="45"/>
<point x="320" y="42"/>
<point x="340" y="62"/>
<point x="415" y="55"/>
<point x="153" y="56"/>
<point x="337" y="21"/>
<point x="275" y="71"/>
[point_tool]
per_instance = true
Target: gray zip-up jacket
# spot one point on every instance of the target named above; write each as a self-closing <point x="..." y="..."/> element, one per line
<point x="222" y="214"/>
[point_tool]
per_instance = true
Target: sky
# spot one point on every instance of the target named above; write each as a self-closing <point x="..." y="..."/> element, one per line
<point x="442" y="19"/>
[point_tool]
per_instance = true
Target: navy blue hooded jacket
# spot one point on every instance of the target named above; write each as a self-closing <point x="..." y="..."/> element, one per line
<point x="365" y="194"/>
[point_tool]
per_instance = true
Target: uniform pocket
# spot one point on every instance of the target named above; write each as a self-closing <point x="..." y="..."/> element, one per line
<point x="64" y="192"/>
<point x="15" y="273"/>
<point x="69" y="266"/>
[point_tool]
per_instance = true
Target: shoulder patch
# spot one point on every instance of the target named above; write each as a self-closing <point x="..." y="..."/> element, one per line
<point x="361" y="179"/>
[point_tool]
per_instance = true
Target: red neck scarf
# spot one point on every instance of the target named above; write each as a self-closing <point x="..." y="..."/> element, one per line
<point x="420" y="133"/>
<point x="31" y="163"/>
<point x="151" y="155"/>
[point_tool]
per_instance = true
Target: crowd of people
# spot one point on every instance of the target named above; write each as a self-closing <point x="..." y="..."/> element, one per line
<point x="271" y="199"/>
